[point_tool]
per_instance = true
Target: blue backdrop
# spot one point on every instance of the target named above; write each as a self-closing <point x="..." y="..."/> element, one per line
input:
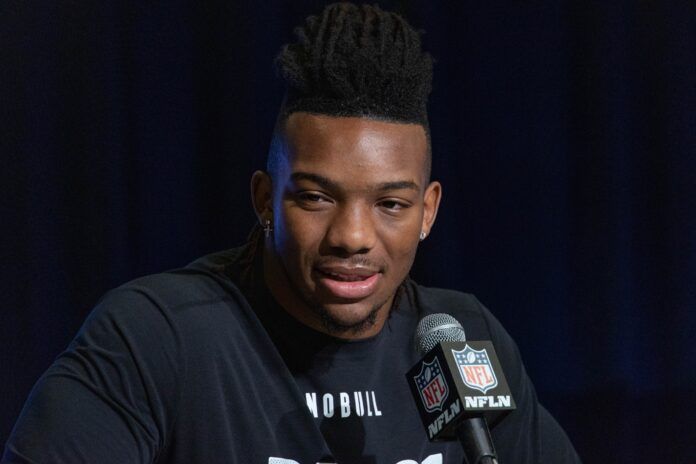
<point x="564" y="133"/>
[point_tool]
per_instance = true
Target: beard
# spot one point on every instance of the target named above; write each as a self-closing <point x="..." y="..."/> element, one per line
<point x="334" y="326"/>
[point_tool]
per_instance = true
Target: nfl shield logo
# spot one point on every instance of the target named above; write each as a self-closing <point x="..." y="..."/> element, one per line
<point x="475" y="369"/>
<point x="432" y="386"/>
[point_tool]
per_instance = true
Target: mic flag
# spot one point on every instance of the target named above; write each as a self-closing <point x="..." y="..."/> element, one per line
<point x="457" y="380"/>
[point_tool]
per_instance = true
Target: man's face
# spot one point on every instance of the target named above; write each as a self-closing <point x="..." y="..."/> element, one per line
<point x="349" y="201"/>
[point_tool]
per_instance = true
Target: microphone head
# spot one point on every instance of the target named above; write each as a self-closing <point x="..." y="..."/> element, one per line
<point x="436" y="328"/>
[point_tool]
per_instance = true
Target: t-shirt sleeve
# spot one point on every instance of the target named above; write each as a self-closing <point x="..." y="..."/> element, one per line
<point x="110" y="396"/>
<point x="529" y="434"/>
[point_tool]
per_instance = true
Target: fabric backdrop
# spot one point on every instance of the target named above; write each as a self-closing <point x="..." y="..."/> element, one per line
<point x="564" y="133"/>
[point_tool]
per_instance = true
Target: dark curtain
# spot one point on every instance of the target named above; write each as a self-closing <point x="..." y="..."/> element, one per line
<point x="564" y="133"/>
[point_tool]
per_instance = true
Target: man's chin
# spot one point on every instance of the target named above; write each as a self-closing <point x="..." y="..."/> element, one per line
<point x="346" y="319"/>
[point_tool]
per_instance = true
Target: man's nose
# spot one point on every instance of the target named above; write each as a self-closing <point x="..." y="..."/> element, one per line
<point x="352" y="230"/>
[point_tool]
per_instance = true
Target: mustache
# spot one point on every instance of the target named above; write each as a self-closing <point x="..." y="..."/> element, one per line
<point x="351" y="261"/>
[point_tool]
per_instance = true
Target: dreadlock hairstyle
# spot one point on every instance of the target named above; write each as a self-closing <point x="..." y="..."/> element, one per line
<point x="355" y="61"/>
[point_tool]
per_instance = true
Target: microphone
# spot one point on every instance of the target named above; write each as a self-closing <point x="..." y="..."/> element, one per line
<point x="447" y="384"/>
<point x="436" y="328"/>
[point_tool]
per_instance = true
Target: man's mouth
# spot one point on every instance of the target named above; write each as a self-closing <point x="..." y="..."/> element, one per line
<point x="344" y="277"/>
<point x="348" y="283"/>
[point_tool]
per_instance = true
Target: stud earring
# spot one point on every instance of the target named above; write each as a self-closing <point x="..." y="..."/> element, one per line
<point x="422" y="236"/>
<point x="267" y="229"/>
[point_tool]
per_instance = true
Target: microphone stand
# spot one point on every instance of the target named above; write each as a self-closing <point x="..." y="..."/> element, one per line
<point x="476" y="440"/>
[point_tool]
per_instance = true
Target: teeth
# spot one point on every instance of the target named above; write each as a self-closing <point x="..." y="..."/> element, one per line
<point x="346" y="278"/>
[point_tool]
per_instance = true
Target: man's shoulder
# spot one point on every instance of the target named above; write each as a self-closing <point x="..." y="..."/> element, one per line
<point x="203" y="282"/>
<point x="477" y="320"/>
<point x="435" y="300"/>
<point x="179" y="310"/>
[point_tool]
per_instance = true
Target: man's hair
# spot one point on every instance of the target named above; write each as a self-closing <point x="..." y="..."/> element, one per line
<point x="355" y="61"/>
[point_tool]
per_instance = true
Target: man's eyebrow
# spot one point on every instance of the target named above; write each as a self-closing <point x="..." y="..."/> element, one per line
<point x="398" y="185"/>
<point x="316" y="178"/>
<point x="331" y="185"/>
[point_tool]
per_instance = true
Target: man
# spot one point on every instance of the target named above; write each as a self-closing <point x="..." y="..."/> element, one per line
<point x="292" y="348"/>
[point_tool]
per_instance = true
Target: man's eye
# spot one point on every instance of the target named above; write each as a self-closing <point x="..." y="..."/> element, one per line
<point x="393" y="205"/>
<point x="312" y="197"/>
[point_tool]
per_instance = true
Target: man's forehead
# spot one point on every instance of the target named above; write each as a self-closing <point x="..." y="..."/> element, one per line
<point x="321" y="128"/>
<point x="355" y="143"/>
<point x="377" y="184"/>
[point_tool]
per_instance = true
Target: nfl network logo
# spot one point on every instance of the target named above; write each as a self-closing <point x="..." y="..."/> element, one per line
<point x="475" y="369"/>
<point x="432" y="386"/>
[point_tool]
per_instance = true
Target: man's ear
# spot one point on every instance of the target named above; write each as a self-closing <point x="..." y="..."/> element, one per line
<point x="431" y="203"/>
<point x="262" y="196"/>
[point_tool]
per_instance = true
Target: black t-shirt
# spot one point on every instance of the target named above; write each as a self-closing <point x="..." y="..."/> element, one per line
<point x="201" y="365"/>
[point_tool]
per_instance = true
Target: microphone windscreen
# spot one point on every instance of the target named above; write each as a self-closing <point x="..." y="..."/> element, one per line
<point x="436" y="328"/>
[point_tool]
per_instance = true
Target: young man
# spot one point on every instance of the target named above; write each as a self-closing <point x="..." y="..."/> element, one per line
<point x="292" y="348"/>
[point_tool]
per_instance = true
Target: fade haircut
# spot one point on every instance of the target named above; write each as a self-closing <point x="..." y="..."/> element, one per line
<point x="355" y="61"/>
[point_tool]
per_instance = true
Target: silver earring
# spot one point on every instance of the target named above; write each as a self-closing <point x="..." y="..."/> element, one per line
<point x="422" y="236"/>
<point x="267" y="229"/>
